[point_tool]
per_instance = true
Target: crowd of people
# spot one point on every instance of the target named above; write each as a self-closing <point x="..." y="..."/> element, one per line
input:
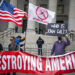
<point x="14" y="44"/>
<point x="58" y="47"/>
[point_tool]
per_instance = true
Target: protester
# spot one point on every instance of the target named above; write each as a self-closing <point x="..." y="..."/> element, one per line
<point x="40" y="42"/>
<point x="16" y="29"/>
<point x="13" y="47"/>
<point x="36" y="30"/>
<point x="60" y="45"/>
<point x="18" y="40"/>
<point x="1" y="47"/>
<point x="40" y="31"/>
<point x="72" y="35"/>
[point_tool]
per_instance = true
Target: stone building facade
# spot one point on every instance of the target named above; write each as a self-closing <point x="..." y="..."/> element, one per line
<point x="65" y="13"/>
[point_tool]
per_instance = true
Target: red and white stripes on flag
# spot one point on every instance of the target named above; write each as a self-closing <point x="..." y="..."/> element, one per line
<point x="16" y="17"/>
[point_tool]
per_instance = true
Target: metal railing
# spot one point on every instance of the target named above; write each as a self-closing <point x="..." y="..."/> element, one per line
<point x="34" y="51"/>
<point x="46" y="49"/>
<point x="6" y="33"/>
<point x="32" y="47"/>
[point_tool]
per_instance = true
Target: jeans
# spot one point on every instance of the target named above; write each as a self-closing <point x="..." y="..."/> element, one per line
<point x="39" y="51"/>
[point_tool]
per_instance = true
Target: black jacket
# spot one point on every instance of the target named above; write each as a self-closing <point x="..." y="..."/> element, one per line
<point x="40" y="42"/>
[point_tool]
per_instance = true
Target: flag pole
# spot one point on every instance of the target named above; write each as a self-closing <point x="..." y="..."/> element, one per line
<point x="25" y="42"/>
<point x="26" y="30"/>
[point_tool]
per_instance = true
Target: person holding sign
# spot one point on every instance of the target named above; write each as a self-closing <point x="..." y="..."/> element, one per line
<point x="59" y="46"/>
<point x="12" y="47"/>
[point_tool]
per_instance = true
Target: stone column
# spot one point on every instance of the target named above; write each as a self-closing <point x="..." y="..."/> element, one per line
<point x="31" y="24"/>
<point x="53" y="7"/>
<point x="20" y="5"/>
<point x="71" y="22"/>
<point x="10" y="24"/>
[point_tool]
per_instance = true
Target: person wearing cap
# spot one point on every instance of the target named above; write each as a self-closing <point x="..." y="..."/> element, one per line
<point x="60" y="45"/>
<point x="18" y="40"/>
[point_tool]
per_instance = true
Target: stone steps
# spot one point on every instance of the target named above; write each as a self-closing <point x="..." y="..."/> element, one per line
<point x="31" y="46"/>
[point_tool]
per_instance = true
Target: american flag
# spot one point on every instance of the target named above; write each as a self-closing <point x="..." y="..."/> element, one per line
<point x="10" y="13"/>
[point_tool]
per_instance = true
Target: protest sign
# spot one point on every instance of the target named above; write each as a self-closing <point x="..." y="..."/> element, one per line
<point x="56" y="29"/>
<point x="16" y="61"/>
